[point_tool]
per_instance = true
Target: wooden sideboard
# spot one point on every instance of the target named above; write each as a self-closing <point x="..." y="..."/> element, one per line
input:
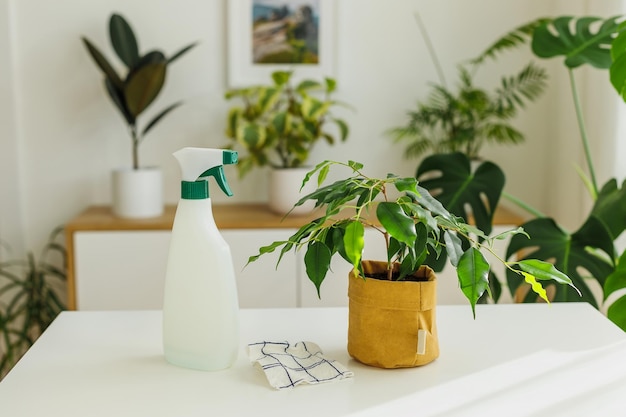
<point x="117" y="263"/>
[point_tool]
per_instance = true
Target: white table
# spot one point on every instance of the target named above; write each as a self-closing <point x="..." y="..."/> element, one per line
<point x="92" y="364"/>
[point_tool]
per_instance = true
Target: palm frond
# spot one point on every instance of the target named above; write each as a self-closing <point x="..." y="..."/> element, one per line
<point x="515" y="38"/>
<point x="527" y="85"/>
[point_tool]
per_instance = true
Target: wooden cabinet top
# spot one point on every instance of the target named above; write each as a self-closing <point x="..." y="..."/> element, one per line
<point x="227" y="216"/>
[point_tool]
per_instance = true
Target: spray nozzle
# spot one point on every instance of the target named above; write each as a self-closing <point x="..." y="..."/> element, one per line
<point x="197" y="163"/>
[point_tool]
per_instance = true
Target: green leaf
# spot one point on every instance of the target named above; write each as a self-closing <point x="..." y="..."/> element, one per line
<point x="579" y="45"/>
<point x="344" y="130"/>
<point x="617" y="312"/>
<point x="515" y="38"/>
<point x="281" y="77"/>
<point x="610" y="206"/>
<point x="143" y="87"/>
<point x="396" y="222"/>
<point x="251" y="135"/>
<point x="572" y="254"/>
<point x="159" y="116"/>
<point x="123" y="40"/>
<point x="181" y="52"/>
<point x="317" y="261"/>
<point x="458" y="187"/>
<point x="282" y="123"/>
<point x="454" y="247"/>
<point x="473" y="273"/>
<point x="331" y="84"/>
<point x="406" y="184"/>
<point x="117" y="96"/>
<point x="307" y="85"/>
<point x="617" y="279"/>
<point x="103" y="64"/>
<point x="544" y="271"/>
<point x="353" y="242"/>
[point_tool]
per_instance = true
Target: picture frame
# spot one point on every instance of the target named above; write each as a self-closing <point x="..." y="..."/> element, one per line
<point x="243" y="71"/>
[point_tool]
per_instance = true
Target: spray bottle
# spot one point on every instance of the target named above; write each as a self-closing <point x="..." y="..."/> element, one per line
<point x="200" y="307"/>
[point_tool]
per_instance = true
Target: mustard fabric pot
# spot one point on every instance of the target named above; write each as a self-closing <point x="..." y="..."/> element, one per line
<point x="392" y="324"/>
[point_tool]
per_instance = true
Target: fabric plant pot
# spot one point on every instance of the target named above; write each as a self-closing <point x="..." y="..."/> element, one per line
<point x="392" y="323"/>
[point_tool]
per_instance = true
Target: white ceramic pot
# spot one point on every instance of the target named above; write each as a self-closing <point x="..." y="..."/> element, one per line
<point x="284" y="191"/>
<point x="137" y="193"/>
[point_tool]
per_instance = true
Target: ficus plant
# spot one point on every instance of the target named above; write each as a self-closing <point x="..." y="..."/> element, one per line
<point x="144" y="78"/>
<point x="412" y="223"/>
<point x="279" y="124"/>
<point x="590" y="252"/>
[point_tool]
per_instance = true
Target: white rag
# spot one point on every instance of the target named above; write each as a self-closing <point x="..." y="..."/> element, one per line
<point x="286" y="365"/>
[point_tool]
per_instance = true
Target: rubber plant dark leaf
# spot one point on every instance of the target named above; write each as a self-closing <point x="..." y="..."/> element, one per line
<point x="181" y="52"/>
<point x="117" y="95"/>
<point x="159" y="116"/>
<point x="103" y="64"/>
<point x="143" y="87"/>
<point x="570" y="254"/>
<point x="123" y="40"/>
<point x="578" y="43"/>
<point x="450" y="179"/>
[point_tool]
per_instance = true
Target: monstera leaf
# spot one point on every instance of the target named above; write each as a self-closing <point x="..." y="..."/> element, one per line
<point x="577" y="43"/>
<point x="610" y="207"/>
<point x="618" y="67"/>
<point x="576" y="255"/>
<point x="451" y="180"/>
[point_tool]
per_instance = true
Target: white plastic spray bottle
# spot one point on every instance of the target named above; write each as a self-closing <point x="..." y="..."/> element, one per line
<point x="200" y="307"/>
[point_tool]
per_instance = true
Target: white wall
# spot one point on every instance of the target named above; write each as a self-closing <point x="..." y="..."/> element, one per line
<point x="70" y="137"/>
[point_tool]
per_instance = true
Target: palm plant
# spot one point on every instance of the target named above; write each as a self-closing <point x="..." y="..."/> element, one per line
<point x="31" y="289"/>
<point x="143" y="82"/>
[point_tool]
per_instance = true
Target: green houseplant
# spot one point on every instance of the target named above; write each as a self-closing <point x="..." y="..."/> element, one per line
<point x="451" y="128"/>
<point x="132" y="94"/>
<point x="590" y="252"/>
<point x="278" y="124"/>
<point x="31" y="289"/>
<point x="410" y="224"/>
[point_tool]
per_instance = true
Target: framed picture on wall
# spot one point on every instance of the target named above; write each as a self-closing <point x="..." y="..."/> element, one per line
<point x="269" y="35"/>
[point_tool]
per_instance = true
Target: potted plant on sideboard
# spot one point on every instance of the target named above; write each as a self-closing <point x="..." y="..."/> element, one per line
<point x="278" y="126"/>
<point x="136" y="192"/>
<point x="392" y="301"/>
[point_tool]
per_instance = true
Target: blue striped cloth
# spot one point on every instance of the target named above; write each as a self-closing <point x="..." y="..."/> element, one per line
<point x="286" y="365"/>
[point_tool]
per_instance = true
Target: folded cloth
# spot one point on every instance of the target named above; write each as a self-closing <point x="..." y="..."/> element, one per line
<point x="287" y="365"/>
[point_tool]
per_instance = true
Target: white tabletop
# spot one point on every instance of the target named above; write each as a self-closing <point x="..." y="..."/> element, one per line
<point x="91" y="364"/>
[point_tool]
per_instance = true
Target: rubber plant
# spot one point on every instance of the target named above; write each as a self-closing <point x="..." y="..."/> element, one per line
<point x="410" y="224"/>
<point x="279" y="124"/>
<point x="145" y="77"/>
<point x="590" y="252"/>
<point x="31" y="289"/>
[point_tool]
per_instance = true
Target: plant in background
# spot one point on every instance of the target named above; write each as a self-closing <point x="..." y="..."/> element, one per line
<point x="465" y="120"/>
<point x="144" y="80"/>
<point x="470" y="117"/>
<point x="590" y="252"/>
<point x="31" y="289"/>
<point x="454" y="125"/>
<point x="411" y="226"/>
<point x="279" y="124"/>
